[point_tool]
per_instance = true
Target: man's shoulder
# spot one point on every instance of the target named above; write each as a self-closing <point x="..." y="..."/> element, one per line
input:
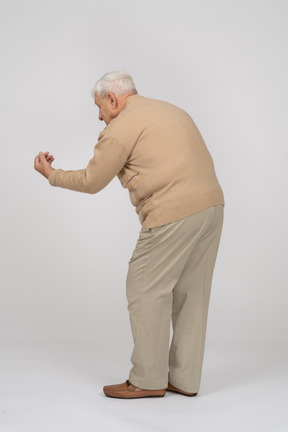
<point x="139" y="100"/>
<point x="144" y="107"/>
<point x="141" y="112"/>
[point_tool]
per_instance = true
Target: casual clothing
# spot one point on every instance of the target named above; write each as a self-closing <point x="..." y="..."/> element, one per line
<point x="159" y="155"/>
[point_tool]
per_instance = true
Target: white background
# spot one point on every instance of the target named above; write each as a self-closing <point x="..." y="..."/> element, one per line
<point x="64" y="255"/>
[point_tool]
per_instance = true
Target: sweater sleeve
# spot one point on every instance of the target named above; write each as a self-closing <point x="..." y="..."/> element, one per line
<point x="108" y="160"/>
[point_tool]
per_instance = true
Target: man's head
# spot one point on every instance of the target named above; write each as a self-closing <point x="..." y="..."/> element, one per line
<point x="111" y="92"/>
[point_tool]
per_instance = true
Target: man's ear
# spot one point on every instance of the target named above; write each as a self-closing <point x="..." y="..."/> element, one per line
<point x="113" y="101"/>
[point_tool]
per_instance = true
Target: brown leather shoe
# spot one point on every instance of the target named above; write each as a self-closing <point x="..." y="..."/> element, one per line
<point x="128" y="391"/>
<point x="176" y="390"/>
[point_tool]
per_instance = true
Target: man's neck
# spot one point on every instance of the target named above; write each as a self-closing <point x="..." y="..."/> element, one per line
<point x="123" y="99"/>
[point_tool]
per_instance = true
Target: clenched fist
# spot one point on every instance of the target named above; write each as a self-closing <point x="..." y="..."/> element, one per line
<point x="42" y="163"/>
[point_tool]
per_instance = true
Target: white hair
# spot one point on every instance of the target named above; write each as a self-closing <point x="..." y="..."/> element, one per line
<point x="116" y="82"/>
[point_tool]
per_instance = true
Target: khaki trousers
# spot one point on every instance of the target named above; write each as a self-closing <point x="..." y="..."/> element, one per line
<point x="169" y="277"/>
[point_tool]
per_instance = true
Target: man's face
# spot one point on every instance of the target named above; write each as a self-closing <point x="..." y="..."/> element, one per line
<point x="106" y="107"/>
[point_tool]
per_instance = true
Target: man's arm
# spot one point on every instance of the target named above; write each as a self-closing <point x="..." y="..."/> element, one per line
<point x="109" y="158"/>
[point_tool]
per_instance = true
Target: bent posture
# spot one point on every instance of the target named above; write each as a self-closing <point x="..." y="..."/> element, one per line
<point x="158" y="154"/>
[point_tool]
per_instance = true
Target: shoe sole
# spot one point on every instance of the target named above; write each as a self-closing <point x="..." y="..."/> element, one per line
<point x="182" y="393"/>
<point x="135" y="397"/>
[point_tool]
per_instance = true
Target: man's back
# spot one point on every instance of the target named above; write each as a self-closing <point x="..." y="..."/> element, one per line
<point x="169" y="171"/>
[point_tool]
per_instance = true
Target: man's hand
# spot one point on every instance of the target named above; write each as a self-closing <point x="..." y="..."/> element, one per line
<point x="42" y="163"/>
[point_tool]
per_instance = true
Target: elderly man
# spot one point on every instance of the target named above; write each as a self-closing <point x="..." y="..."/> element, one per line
<point x="158" y="154"/>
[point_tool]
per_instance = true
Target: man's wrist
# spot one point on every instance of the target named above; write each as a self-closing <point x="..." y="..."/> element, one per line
<point x="48" y="171"/>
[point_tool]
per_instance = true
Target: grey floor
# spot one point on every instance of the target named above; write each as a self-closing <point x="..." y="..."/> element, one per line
<point x="58" y="388"/>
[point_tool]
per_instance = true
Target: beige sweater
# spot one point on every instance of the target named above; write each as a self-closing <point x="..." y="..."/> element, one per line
<point x="158" y="154"/>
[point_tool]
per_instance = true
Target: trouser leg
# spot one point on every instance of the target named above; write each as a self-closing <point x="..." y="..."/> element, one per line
<point x="155" y="268"/>
<point x="149" y="294"/>
<point x="190" y="307"/>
